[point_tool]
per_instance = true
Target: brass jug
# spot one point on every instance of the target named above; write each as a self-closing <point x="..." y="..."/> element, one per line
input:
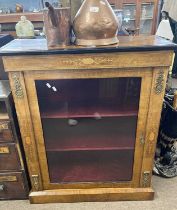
<point x="95" y="24"/>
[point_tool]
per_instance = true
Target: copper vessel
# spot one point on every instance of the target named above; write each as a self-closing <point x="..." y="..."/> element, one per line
<point x="57" y="25"/>
<point x="95" y="24"/>
<point x="19" y="8"/>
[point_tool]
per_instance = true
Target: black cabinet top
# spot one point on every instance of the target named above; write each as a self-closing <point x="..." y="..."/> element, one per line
<point x="126" y="44"/>
<point x="4" y="39"/>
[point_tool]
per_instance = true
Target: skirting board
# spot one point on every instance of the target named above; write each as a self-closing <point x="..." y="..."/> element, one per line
<point x="91" y="195"/>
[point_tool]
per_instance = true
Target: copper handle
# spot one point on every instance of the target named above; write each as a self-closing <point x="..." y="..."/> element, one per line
<point x="4" y="150"/>
<point x="2" y="187"/>
<point x="51" y="14"/>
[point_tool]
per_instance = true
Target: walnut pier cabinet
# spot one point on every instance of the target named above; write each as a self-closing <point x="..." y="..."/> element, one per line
<point x="89" y="117"/>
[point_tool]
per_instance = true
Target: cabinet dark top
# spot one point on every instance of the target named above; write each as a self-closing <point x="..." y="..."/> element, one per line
<point x="126" y="44"/>
<point x="4" y="39"/>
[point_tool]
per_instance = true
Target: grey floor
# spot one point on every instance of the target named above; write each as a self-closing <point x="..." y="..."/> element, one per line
<point x="165" y="199"/>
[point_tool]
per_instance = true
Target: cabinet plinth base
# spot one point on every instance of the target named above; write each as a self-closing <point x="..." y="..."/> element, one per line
<point x="93" y="195"/>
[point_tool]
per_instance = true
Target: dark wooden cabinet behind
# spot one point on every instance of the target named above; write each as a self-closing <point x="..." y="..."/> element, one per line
<point x="139" y="14"/>
<point x="13" y="173"/>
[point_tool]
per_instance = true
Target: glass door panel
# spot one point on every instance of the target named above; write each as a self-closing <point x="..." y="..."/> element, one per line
<point x="89" y="128"/>
<point x="147" y="10"/>
<point x="112" y="3"/>
<point x="129" y="15"/>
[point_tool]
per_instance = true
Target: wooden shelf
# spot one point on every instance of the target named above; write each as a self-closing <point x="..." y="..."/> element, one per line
<point x="95" y="166"/>
<point x="151" y="2"/>
<point x="15" y="17"/>
<point x="92" y="112"/>
<point x="147" y="18"/>
<point x="129" y="4"/>
<point x="101" y="143"/>
<point x="89" y="149"/>
<point x="90" y="135"/>
<point x="70" y="101"/>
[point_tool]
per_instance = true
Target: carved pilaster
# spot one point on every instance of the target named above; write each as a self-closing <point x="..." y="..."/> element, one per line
<point x="17" y="85"/>
<point x="35" y="182"/>
<point x="146" y="178"/>
<point x="160" y="83"/>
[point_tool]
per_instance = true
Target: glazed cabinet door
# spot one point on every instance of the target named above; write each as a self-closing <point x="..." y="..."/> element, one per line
<point x="129" y="14"/>
<point x="89" y="126"/>
<point x="147" y="17"/>
<point x="138" y="14"/>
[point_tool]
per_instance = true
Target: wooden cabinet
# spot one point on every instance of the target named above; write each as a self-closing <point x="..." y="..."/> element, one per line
<point x="6" y="131"/>
<point x="139" y="14"/>
<point x="89" y="117"/>
<point x="13" y="176"/>
<point x="13" y="185"/>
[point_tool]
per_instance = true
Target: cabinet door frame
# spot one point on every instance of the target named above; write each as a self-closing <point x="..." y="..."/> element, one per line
<point x="145" y="74"/>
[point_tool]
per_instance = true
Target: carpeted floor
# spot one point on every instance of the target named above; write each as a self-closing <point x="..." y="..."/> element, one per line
<point x="165" y="199"/>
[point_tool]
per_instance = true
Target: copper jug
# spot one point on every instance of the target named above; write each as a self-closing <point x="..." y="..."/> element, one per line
<point x="95" y="24"/>
<point x="57" y="25"/>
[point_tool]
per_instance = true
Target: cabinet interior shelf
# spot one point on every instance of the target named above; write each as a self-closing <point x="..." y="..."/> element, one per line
<point x="148" y="3"/>
<point x="90" y="134"/>
<point x="90" y="149"/>
<point x="129" y="4"/>
<point x="95" y="166"/>
<point x="147" y="18"/>
<point x="87" y="111"/>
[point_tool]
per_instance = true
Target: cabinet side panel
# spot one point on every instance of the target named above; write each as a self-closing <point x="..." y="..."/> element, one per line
<point x="141" y="127"/>
<point x="26" y="128"/>
<point x="155" y="108"/>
